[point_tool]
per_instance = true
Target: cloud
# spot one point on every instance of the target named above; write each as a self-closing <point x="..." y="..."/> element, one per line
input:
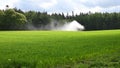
<point x="36" y="5"/>
<point x="48" y="3"/>
<point x="101" y="3"/>
<point x="65" y="6"/>
<point x="11" y="3"/>
<point x="111" y="9"/>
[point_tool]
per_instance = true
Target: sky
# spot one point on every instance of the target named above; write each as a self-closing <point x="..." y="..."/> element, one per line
<point x="65" y="6"/>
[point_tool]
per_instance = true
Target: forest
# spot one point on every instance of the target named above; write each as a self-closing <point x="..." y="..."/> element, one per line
<point x="16" y="19"/>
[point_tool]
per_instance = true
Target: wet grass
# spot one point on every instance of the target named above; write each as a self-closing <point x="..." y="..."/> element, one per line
<point x="59" y="49"/>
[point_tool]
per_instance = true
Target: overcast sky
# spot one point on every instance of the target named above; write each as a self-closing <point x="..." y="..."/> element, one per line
<point x="52" y="6"/>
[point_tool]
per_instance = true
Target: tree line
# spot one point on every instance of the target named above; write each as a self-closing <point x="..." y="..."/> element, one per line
<point x="16" y="19"/>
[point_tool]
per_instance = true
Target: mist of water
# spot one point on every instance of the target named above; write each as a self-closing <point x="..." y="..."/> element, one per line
<point x="73" y="26"/>
<point x="70" y="26"/>
<point x="62" y="26"/>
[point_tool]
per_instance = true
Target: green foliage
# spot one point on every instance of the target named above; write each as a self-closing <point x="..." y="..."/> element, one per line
<point x="18" y="10"/>
<point x="21" y="20"/>
<point x="30" y="15"/>
<point x="12" y="20"/>
<point x="1" y="16"/>
<point x="58" y="17"/>
<point x="41" y="19"/>
<point x="99" y="21"/>
<point x="17" y="19"/>
<point x="55" y="49"/>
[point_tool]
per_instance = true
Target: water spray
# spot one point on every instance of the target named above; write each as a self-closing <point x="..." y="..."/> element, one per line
<point x="70" y="26"/>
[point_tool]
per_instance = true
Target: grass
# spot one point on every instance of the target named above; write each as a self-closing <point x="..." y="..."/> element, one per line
<point x="60" y="49"/>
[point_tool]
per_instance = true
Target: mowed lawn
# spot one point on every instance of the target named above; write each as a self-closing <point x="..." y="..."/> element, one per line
<point x="59" y="49"/>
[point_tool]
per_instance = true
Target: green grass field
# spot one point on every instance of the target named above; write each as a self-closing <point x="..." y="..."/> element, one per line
<point x="60" y="49"/>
